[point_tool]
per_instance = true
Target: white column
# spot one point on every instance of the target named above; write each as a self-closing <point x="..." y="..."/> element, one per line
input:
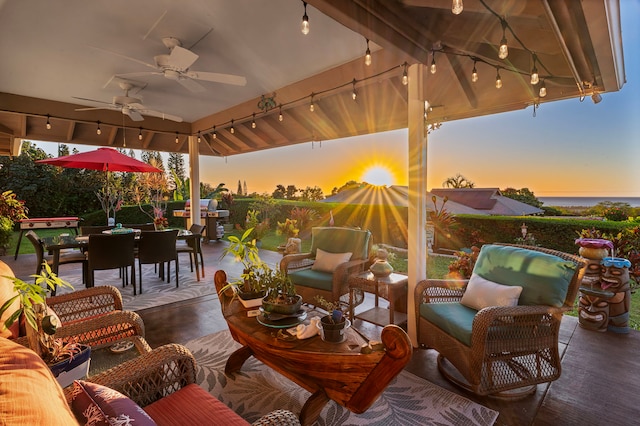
<point x="194" y="179"/>
<point x="417" y="238"/>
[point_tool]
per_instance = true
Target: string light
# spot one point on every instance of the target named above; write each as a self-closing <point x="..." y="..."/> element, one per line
<point x="304" y="26"/>
<point x="503" y="50"/>
<point x="405" y="77"/>
<point x="535" y="77"/>
<point x="140" y="134"/>
<point x="367" y="55"/>
<point x="456" y="7"/>
<point x="48" y="123"/>
<point x="199" y="136"/>
<point x="280" y="116"/>
<point x="498" y="79"/>
<point x="311" y="107"/>
<point x="215" y="134"/>
<point x="177" y="138"/>
<point x="433" y="62"/>
<point x="253" y="121"/>
<point x="98" y="131"/>
<point x="232" y="130"/>
<point x="543" y="90"/>
<point x="474" y="73"/>
<point x="354" y="94"/>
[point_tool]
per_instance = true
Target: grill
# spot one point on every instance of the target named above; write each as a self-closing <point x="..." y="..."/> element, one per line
<point x="213" y="218"/>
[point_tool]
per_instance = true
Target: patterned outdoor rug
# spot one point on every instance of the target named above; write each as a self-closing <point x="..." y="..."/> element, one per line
<point x="155" y="292"/>
<point x="257" y="390"/>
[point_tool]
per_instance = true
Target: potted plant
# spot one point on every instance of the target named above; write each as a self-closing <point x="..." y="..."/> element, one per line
<point x="281" y="297"/>
<point x="333" y="325"/>
<point x="244" y="249"/>
<point x="41" y="324"/>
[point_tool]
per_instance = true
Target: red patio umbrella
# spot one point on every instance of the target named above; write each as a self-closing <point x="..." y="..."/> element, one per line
<point x="105" y="159"/>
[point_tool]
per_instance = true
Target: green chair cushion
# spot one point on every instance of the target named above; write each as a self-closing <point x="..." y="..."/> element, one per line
<point x="341" y="240"/>
<point x="544" y="278"/>
<point x="453" y="318"/>
<point x="310" y="278"/>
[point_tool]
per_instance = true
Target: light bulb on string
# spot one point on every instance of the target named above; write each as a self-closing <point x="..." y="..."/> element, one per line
<point x="433" y="68"/>
<point x="543" y="90"/>
<point x="140" y="134"/>
<point x="48" y="123"/>
<point x="503" y="50"/>
<point x="474" y="73"/>
<point x="354" y="94"/>
<point x="457" y="7"/>
<point x="233" y="129"/>
<point x="98" y="130"/>
<point x="367" y="55"/>
<point x="405" y="77"/>
<point x="215" y="134"/>
<point x="498" y="79"/>
<point x="311" y="106"/>
<point x="253" y="121"/>
<point x="280" y="116"/>
<point x="535" y="77"/>
<point x="199" y="139"/>
<point x="177" y="138"/>
<point x="304" y="26"/>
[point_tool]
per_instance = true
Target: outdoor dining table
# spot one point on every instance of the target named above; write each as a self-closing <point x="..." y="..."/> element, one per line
<point x="55" y="244"/>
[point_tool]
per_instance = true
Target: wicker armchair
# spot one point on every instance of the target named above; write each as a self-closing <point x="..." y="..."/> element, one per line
<point x="161" y="372"/>
<point x="330" y="285"/>
<point x="507" y="350"/>
<point x="86" y="303"/>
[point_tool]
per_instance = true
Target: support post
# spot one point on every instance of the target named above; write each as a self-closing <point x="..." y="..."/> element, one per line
<point x="194" y="178"/>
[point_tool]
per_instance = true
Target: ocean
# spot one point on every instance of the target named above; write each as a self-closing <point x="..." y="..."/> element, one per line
<point x="586" y="201"/>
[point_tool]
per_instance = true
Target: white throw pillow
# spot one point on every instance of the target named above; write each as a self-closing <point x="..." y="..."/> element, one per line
<point x="328" y="262"/>
<point x="482" y="293"/>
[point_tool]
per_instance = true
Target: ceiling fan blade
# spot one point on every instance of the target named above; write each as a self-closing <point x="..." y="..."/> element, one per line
<point x="139" y="74"/>
<point x="182" y="58"/>
<point x="236" y="80"/>
<point x="132" y="113"/>
<point x="92" y="100"/>
<point x="126" y="57"/>
<point x="191" y="85"/>
<point x="162" y="115"/>
<point x="91" y="109"/>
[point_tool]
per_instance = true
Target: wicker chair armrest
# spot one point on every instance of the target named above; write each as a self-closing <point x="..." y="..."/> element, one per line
<point x="291" y="262"/>
<point x="104" y="330"/>
<point x="86" y="303"/>
<point x="278" y="418"/>
<point x="344" y="270"/>
<point x="439" y="291"/>
<point x="151" y="376"/>
<point x="509" y="325"/>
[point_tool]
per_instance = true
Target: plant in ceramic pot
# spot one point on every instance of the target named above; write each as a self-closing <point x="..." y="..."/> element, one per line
<point x="281" y="297"/>
<point x="245" y="250"/>
<point x="41" y="322"/>
<point x="333" y="325"/>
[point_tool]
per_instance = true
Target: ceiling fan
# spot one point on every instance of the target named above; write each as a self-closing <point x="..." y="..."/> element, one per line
<point x="175" y="66"/>
<point x="129" y="106"/>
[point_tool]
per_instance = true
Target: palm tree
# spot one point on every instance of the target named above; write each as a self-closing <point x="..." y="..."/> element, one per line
<point x="458" y="181"/>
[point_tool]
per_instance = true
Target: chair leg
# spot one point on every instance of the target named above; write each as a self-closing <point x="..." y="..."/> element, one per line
<point x="201" y="262"/>
<point x="139" y="273"/>
<point x="177" y="270"/>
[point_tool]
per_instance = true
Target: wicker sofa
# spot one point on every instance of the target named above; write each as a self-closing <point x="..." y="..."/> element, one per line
<point x="161" y="381"/>
<point x="497" y="333"/>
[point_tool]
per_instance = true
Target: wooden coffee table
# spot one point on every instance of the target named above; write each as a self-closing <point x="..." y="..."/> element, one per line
<point x="336" y="371"/>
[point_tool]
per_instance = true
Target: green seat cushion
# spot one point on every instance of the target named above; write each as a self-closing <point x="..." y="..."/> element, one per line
<point x="341" y="240"/>
<point x="544" y="278"/>
<point x="310" y="278"/>
<point x="453" y="318"/>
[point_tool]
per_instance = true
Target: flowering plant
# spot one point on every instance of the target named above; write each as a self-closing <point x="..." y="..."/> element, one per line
<point x="288" y="227"/>
<point x="462" y="267"/>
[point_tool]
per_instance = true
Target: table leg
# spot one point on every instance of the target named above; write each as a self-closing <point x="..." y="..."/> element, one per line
<point x="18" y="246"/>
<point x="237" y="359"/>
<point x="312" y="408"/>
<point x="392" y="302"/>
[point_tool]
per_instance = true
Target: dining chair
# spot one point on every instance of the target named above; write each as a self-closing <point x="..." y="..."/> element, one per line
<point x="193" y="246"/>
<point x="71" y="256"/>
<point x="112" y="252"/>
<point x="158" y="247"/>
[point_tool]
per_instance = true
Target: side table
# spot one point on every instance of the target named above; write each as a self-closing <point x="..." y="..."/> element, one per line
<point x="392" y="288"/>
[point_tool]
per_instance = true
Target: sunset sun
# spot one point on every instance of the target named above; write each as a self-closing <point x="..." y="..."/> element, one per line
<point x="378" y="175"/>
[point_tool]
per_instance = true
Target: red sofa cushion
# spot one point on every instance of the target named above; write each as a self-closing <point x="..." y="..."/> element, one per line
<point x="192" y="405"/>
